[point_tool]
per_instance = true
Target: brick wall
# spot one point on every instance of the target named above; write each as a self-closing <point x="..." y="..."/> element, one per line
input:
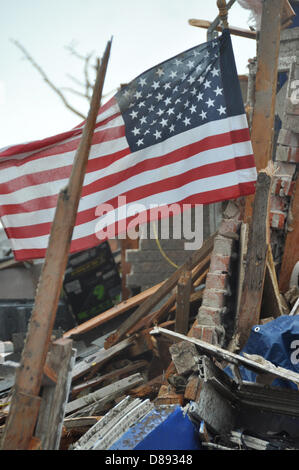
<point x="149" y="266"/>
<point x="216" y="315"/>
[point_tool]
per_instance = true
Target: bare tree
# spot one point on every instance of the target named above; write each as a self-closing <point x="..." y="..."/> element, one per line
<point x="84" y="87"/>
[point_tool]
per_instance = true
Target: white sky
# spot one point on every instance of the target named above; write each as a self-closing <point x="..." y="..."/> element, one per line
<point x="145" y="32"/>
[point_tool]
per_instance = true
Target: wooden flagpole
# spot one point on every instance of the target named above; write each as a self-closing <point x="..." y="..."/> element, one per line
<point x="24" y="407"/>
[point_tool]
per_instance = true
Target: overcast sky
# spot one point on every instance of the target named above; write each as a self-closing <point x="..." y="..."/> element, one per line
<point x="145" y="32"/>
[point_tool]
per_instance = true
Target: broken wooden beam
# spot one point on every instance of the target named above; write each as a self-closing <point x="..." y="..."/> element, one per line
<point x="109" y="377"/>
<point x="183" y="303"/>
<point x="262" y="130"/>
<point x="273" y="303"/>
<point x="244" y="33"/>
<point x="291" y="247"/>
<point x="103" y="395"/>
<point x="54" y="397"/>
<point x="97" y="360"/>
<point x="113" y="312"/>
<point x="199" y="273"/>
<point x="256" y="258"/>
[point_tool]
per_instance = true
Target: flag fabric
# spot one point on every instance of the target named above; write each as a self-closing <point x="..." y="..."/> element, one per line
<point x="177" y="133"/>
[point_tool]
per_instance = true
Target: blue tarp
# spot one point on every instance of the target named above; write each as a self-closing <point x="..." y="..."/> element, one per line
<point x="177" y="432"/>
<point x="161" y="429"/>
<point x="278" y="342"/>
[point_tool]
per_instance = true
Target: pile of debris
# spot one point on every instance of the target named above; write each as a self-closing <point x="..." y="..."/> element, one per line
<point x="208" y="358"/>
<point x="186" y="368"/>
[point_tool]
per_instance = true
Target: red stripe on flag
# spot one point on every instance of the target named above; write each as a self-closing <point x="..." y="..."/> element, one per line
<point x="105" y="135"/>
<point x="89" y="241"/>
<point x="141" y="192"/>
<point x="183" y="153"/>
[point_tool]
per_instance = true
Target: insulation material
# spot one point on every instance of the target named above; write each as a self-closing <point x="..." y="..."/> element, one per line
<point x="255" y="7"/>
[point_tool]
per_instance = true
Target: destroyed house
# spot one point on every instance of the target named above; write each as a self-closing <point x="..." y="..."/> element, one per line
<point x="142" y="344"/>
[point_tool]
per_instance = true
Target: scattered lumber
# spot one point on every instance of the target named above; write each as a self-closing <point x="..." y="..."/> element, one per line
<point x="183" y="302"/>
<point x="113" y="312"/>
<point x="256" y="258"/>
<point x="105" y="394"/>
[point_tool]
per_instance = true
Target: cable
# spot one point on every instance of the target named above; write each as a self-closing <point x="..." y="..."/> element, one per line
<point x="161" y="249"/>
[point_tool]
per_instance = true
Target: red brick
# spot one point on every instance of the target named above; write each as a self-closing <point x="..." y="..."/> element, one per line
<point x="216" y="281"/>
<point x="287" y="154"/>
<point x="220" y="263"/>
<point x="207" y="334"/>
<point x="208" y="316"/>
<point x="223" y="245"/>
<point x="278" y="203"/>
<point x="283" y="186"/>
<point x="229" y="225"/>
<point x="213" y="298"/>
<point x="277" y="219"/>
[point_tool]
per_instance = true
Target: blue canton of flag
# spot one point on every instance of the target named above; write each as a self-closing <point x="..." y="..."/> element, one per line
<point x="179" y="94"/>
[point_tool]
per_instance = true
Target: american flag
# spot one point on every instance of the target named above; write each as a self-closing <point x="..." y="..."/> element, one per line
<point x="177" y="133"/>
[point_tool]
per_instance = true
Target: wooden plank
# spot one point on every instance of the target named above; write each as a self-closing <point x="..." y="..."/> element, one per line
<point x="199" y="273"/>
<point x="167" y="396"/>
<point x="113" y="312"/>
<point x="273" y="302"/>
<point x="183" y="303"/>
<point x="70" y="424"/>
<point x="291" y="247"/>
<point x="12" y="263"/>
<point x="262" y="130"/>
<point x="168" y="308"/>
<point x="100" y="358"/>
<point x="109" y="377"/>
<point x="105" y="394"/>
<point x="19" y="437"/>
<point x="241" y="267"/>
<point x="165" y="288"/>
<point x="244" y="33"/>
<point x="151" y="387"/>
<point x="252" y="362"/>
<point x="288" y="14"/>
<point x="254" y="275"/>
<point x="50" y="420"/>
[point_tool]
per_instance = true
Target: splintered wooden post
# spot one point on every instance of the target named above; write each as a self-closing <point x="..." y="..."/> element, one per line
<point x="262" y="130"/>
<point x="258" y="244"/>
<point x="54" y="398"/>
<point x="30" y="372"/>
<point x="183" y="303"/>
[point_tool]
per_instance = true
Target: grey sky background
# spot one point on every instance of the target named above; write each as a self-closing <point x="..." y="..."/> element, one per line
<point x="144" y="34"/>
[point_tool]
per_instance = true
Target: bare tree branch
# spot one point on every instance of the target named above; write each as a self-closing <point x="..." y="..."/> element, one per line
<point x="47" y="80"/>
<point x="86" y="87"/>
